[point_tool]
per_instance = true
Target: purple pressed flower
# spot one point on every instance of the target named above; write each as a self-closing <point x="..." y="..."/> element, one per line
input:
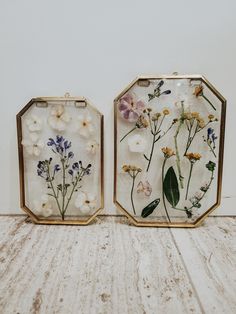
<point x="70" y="155"/>
<point x="209" y="133"/>
<point x="59" y="139"/>
<point x="130" y="108"/>
<point x="67" y="145"/>
<point x="75" y="166"/>
<point x="71" y="172"/>
<point x="51" y="142"/>
<point x="56" y="168"/>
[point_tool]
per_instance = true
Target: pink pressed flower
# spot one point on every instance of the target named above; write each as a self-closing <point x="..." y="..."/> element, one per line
<point x="130" y="108"/>
<point x="144" y="187"/>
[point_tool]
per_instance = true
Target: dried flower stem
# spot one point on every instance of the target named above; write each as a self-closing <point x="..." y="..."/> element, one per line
<point x="189" y="178"/>
<point x="53" y="189"/>
<point x="181" y="121"/>
<point x="131" y="195"/>
<point x="128" y="133"/>
<point x="213" y="107"/>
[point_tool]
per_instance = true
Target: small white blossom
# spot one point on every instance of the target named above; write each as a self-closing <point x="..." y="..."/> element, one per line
<point x="85" y="202"/>
<point x="34" y="123"/>
<point x="33" y="144"/>
<point x="43" y="206"/>
<point x="59" y="118"/>
<point x="92" y="147"/>
<point x="85" y="125"/>
<point x="137" y="143"/>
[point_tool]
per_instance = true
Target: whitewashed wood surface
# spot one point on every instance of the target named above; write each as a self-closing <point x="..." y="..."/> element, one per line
<point x="112" y="267"/>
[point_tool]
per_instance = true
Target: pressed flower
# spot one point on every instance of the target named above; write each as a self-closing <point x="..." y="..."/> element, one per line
<point x="137" y="143"/>
<point x="157" y="91"/>
<point x="43" y="207"/>
<point x="193" y="157"/>
<point x="85" y="202"/>
<point x="34" y="123"/>
<point x="198" y="92"/>
<point x="156" y="116"/>
<point x="211" y="166"/>
<point x="85" y="125"/>
<point x="130" y="108"/>
<point x="33" y="144"/>
<point x="92" y="146"/>
<point x="201" y="123"/>
<point x="168" y="152"/>
<point x="141" y="123"/>
<point x="187" y="115"/>
<point x="211" y="117"/>
<point x="59" y="118"/>
<point x="144" y="187"/>
<point x="166" y="112"/>
<point x="195" y="115"/>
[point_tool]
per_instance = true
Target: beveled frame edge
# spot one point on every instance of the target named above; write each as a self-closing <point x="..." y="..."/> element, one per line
<point x="201" y="218"/>
<point x="23" y="206"/>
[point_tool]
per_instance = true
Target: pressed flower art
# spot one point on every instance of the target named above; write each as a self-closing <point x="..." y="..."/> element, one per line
<point x="60" y="147"/>
<point x="172" y="128"/>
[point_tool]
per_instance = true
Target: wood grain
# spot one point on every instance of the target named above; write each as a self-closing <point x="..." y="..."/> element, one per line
<point x="112" y="267"/>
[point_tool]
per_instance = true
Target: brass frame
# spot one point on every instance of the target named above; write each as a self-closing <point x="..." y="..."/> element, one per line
<point x="32" y="216"/>
<point x="220" y="158"/>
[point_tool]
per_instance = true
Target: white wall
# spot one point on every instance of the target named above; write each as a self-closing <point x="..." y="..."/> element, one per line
<point x="95" y="48"/>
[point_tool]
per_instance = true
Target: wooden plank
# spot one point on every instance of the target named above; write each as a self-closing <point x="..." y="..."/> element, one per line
<point x="107" y="267"/>
<point x="209" y="254"/>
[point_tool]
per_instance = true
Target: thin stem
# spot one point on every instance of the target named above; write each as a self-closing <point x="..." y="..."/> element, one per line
<point x="163" y="195"/>
<point x="208" y="101"/>
<point x="53" y="190"/>
<point x="72" y="191"/>
<point x="189" y="178"/>
<point x="63" y="187"/>
<point x="176" y="148"/>
<point x="127" y="134"/>
<point x="131" y="194"/>
<point x="212" y="150"/>
<point x="152" y="149"/>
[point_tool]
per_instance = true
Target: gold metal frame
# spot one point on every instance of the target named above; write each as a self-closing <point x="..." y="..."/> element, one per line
<point x="220" y="159"/>
<point x="32" y="216"/>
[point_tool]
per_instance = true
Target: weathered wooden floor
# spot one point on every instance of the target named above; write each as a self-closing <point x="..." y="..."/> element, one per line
<point x="111" y="267"/>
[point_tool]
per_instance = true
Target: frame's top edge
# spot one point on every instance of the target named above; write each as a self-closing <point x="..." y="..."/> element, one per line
<point x="56" y="98"/>
<point x="170" y="76"/>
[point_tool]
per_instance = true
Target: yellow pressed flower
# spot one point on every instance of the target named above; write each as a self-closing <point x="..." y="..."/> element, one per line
<point x="126" y="168"/>
<point x="211" y="117"/>
<point x="201" y="123"/>
<point x="198" y="90"/>
<point x="156" y="116"/>
<point x="193" y="156"/>
<point x="168" y="152"/>
<point x="187" y="115"/>
<point x="166" y="112"/>
<point x="195" y="115"/>
<point x="175" y="120"/>
<point x="141" y="122"/>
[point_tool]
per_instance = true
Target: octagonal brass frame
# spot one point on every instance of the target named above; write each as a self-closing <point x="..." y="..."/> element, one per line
<point x="200" y="219"/>
<point x="32" y="216"/>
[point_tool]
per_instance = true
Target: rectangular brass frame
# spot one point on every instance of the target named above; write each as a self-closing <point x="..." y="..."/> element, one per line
<point x="32" y="216"/>
<point x="220" y="160"/>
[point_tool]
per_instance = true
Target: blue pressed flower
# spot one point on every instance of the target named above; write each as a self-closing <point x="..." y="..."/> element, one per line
<point x="70" y="155"/>
<point x="59" y="139"/>
<point x="56" y="168"/>
<point x="51" y="142"/>
<point x="75" y="166"/>
<point x="71" y="172"/>
<point x="67" y="145"/>
<point x="210" y="131"/>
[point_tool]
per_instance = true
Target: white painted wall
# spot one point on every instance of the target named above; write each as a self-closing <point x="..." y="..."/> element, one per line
<point x="95" y="48"/>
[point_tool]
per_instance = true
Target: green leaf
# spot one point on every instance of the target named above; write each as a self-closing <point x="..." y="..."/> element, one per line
<point x="171" y="187"/>
<point x="148" y="210"/>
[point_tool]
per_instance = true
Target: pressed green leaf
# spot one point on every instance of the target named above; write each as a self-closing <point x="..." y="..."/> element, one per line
<point x="148" y="210"/>
<point x="171" y="187"/>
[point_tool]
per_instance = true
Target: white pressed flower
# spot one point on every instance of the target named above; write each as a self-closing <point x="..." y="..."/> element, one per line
<point x="34" y="123"/>
<point x="58" y="118"/>
<point x="137" y="143"/>
<point x="85" y="125"/>
<point x="85" y="202"/>
<point x="43" y="206"/>
<point x="144" y="187"/>
<point x="33" y="144"/>
<point x="92" y="147"/>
